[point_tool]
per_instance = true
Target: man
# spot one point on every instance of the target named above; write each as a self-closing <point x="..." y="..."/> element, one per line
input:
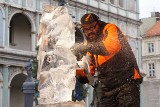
<point x="112" y="58"/>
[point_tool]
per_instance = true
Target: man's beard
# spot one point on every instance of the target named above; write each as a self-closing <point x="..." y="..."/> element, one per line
<point x="95" y="39"/>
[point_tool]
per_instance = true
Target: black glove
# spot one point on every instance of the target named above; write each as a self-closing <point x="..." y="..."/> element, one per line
<point x="97" y="48"/>
<point x="79" y="50"/>
<point x="83" y="80"/>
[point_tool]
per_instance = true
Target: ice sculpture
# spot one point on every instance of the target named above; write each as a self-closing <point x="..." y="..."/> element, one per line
<point x="56" y="74"/>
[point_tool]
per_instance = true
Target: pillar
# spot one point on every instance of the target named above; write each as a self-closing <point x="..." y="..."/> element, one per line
<point x="37" y="17"/>
<point x="137" y="9"/>
<point x="6" y="27"/>
<point x="33" y="41"/>
<point x="1" y="92"/>
<point x="24" y="3"/>
<point x="5" y="91"/>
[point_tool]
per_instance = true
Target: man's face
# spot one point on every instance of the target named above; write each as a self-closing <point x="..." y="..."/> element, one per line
<point x="91" y="30"/>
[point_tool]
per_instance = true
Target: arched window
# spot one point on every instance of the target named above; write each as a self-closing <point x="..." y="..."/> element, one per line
<point x="20" y="32"/>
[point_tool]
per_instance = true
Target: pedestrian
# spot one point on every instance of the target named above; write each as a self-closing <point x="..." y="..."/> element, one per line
<point x="112" y="59"/>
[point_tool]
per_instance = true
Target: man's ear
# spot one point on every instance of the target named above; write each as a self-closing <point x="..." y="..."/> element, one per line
<point x="98" y="21"/>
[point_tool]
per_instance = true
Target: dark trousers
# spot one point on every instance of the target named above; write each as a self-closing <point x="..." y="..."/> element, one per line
<point x="127" y="95"/>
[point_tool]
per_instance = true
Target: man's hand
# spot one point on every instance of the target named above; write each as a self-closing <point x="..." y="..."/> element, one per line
<point x="97" y="48"/>
<point x="79" y="50"/>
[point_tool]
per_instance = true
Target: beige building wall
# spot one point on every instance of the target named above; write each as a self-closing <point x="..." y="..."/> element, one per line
<point x="151" y="93"/>
<point x="151" y="84"/>
<point x="151" y="57"/>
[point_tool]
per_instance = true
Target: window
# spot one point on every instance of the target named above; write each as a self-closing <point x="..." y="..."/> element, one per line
<point x="132" y="5"/>
<point x="150" y="47"/>
<point x="121" y="3"/>
<point x="151" y="70"/>
<point x="112" y="1"/>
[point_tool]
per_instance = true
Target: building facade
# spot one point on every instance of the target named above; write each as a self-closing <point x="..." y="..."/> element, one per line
<point x="151" y="59"/>
<point x="19" y="23"/>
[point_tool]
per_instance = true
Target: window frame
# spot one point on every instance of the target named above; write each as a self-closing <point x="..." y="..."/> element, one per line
<point x="150" y="47"/>
<point x="151" y="69"/>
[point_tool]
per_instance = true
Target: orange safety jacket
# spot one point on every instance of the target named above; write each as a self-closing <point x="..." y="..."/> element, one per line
<point x="120" y="63"/>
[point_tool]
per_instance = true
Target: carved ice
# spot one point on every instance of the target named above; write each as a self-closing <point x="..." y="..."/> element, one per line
<point x="55" y="71"/>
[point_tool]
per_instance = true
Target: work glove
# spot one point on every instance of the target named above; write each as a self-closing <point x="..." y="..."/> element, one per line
<point x="97" y="48"/>
<point x="79" y="50"/>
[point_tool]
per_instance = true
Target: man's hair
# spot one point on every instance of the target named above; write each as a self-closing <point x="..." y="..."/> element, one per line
<point x="89" y="18"/>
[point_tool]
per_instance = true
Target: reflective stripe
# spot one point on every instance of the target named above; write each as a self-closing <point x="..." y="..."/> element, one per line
<point x="136" y="74"/>
<point x="87" y="18"/>
<point x="92" y="70"/>
<point x="80" y="72"/>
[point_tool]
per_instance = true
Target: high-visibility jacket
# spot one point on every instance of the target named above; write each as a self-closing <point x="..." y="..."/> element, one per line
<point x="119" y="65"/>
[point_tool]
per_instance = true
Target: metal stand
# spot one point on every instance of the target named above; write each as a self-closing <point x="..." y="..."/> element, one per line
<point x="29" y="86"/>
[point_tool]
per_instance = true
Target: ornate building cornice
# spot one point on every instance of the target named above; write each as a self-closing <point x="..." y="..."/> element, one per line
<point x="15" y="57"/>
<point x="13" y="10"/>
<point x="102" y="12"/>
<point x="149" y="57"/>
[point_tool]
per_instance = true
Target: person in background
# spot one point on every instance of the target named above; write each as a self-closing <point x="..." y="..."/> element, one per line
<point x="112" y="60"/>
